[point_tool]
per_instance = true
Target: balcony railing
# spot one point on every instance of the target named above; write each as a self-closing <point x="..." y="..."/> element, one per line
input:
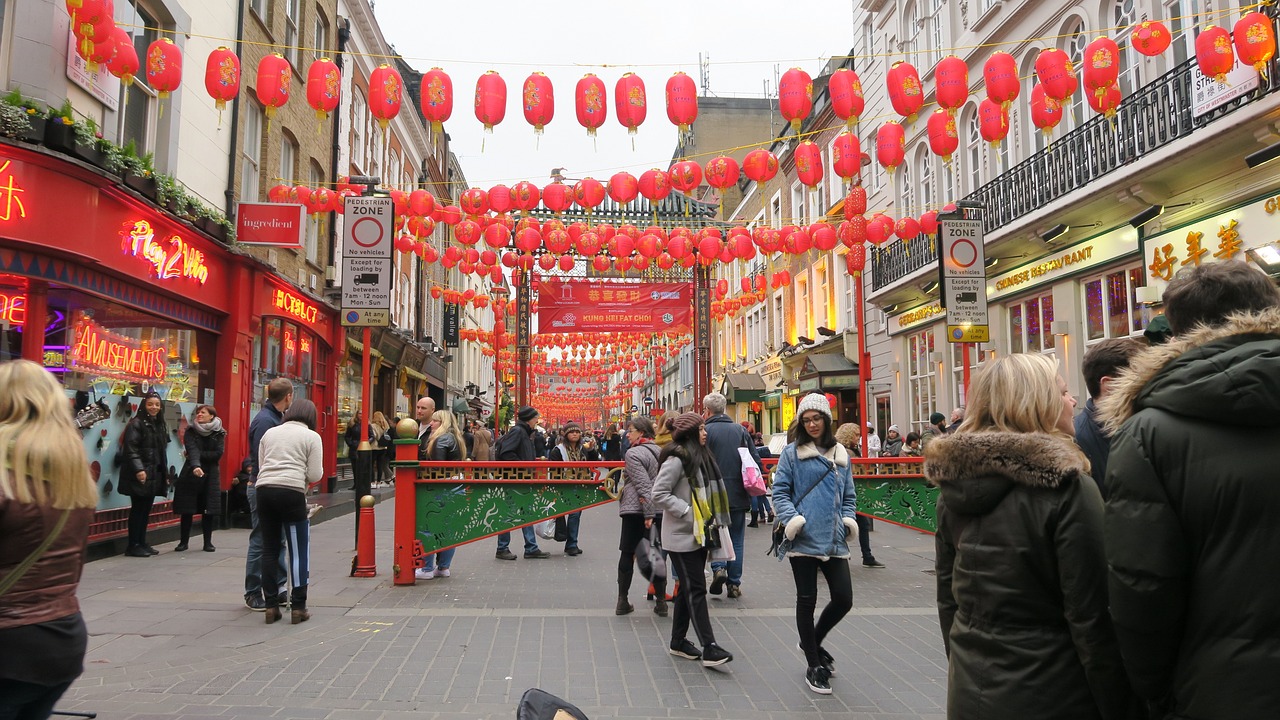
<point x="1157" y="114"/>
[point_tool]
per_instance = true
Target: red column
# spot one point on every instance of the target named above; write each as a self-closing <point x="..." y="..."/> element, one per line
<point x="33" y="330"/>
<point x="233" y="383"/>
<point x="405" y="512"/>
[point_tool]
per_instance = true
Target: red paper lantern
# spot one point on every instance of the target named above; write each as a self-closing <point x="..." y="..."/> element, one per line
<point x="467" y="232"/>
<point x="993" y="121"/>
<point x="682" y="101"/>
<point x="630" y="102"/>
<point x="890" y="145"/>
<point x="497" y="237"/>
<point x="557" y="197"/>
<point x="1106" y="102"/>
<point x="808" y="159"/>
<point x="952" y="79"/>
<point x="685" y="176"/>
<point x="1214" y="54"/>
<point x="474" y="201"/>
<point x="279" y="194"/>
<point x="491" y="99"/>
<point x="324" y="87"/>
<point x="908" y="228"/>
<point x="832" y="401"/>
<point x="760" y="165"/>
<point x="588" y="193"/>
<point x="386" y="91"/>
<point x="879" y="228"/>
<point x="654" y="185"/>
<point x="500" y="199"/>
<point x="623" y="187"/>
<point x="525" y="196"/>
<point x="1150" y="38"/>
<point x="275" y="78"/>
<point x="164" y="67"/>
<point x="1255" y="41"/>
<point x="929" y="223"/>
<point x="1101" y="66"/>
<point x="943" y="137"/>
<point x="824" y="236"/>
<point x="124" y="63"/>
<point x="437" y="98"/>
<point x="451" y="215"/>
<point x="589" y="102"/>
<point x="421" y="202"/>
<point x="221" y="77"/>
<point x="905" y="92"/>
<point x="845" y="90"/>
<point x="795" y="97"/>
<point x="566" y="263"/>
<point x="1001" y="75"/>
<point x="1046" y="112"/>
<point x="538" y="100"/>
<point x="722" y="172"/>
<point x="855" y="203"/>
<point x="856" y="259"/>
<point x="846" y="156"/>
<point x="1056" y="73"/>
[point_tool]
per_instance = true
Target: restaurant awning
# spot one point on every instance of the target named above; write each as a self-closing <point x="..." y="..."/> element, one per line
<point x="827" y="371"/>
<point x="742" y="387"/>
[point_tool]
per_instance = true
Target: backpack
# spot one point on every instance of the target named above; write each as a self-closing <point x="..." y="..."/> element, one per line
<point x="509" y="443"/>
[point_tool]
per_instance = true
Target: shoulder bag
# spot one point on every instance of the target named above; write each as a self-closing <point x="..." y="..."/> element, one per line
<point x="780" y="541"/>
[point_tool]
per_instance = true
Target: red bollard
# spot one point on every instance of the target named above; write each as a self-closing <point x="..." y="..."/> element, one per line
<point x="365" y="565"/>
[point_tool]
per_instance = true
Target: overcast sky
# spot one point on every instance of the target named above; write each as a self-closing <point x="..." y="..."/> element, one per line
<point x="567" y="39"/>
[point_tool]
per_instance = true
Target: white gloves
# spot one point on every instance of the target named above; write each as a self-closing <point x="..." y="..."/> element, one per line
<point x="853" y="528"/>
<point x="793" y="527"/>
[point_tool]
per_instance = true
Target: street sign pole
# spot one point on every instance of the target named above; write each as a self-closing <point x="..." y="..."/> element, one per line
<point x="962" y="277"/>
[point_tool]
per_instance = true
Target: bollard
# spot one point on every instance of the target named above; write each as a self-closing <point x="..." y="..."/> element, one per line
<point x="365" y="564"/>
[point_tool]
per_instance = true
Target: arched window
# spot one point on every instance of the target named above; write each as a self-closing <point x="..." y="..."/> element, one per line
<point x="924" y="165"/>
<point x="974" y="150"/>
<point x="911" y="36"/>
<point x="906" y="191"/>
<point x="1075" y="43"/>
<point x="1035" y="138"/>
<point x="933" y="25"/>
<point x="947" y="186"/>
<point x="1124" y="15"/>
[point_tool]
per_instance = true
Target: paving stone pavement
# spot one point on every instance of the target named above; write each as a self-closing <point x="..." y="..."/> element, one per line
<point x="170" y="637"/>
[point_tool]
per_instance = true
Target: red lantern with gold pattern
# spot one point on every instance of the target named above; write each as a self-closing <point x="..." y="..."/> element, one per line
<point x="907" y="228"/>
<point x="421" y="203"/>
<point x="682" y="101"/>
<point x="890" y="145"/>
<point x="846" y="156"/>
<point x="993" y="121"/>
<point x="722" y="172"/>
<point x="855" y="203"/>
<point x="1106" y="103"/>
<point x="795" y="97"/>
<point x="856" y="259"/>
<point x="630" y="101"/>
<point x="685" y="176"/>
<point x="1101" y="66"/>
<point x="474" y="201"/>
<point x="952" y="79"/>
<point x="943" y="137"/>
<point x="1056" y="73"/>
<point x="760" y="165"/>
<point x="222" y="77"/>
<point x="164" y="67"/>
<point x="824" y="236"/>
<point x="525" y="196"/>
<point x="845" y="90"/>
<point x="1255" y="41"/>
<point x="654" y="185"/>
<point x="275" y="79"/>
<point x="590" y="104"/>
<point x="808" y="159"/>
<point x="557" y="197"/>
<point x="538" y="100"/>
<point x="1150" y="38"/>
<point x="1046" y="112"/>
<point x="124" y="62"/>
<point x="324" y="87"/>
<point x="623" y="187"/>
<point x="437" y="98"/>
<point x="878" y="229"/>
<point x="1001" y="75"/>
<point x="1214" y="54"/>
<point x="467" y="232"/>
<point x="905" y="92"/>
<point x="491" y="99"/>
<point x="929" y="223"/>
<point x="386" y="92"/>
<point x="588" y="193"/>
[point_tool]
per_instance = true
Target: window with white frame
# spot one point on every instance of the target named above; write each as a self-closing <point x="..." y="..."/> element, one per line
<point x="797" y="204"/>
<point x="873" y="178"/>
<point x="924" y="163"/>
<point x="803" y="302"/>
<point x="817" y="203"/>
<point x="1182" y="16"/>
<point x="320" y="35"/>
<point x="359" y="111"/>
<point x="1031" y="324"/>
<point x="935" y="23"/>
<point x="315" y="221"/>
<point x="974" y="150"/>
<point x="834" y="182"/>
<point x="1076" y="42"/>
<point x="406" y="301"/>
<point x="723" y="350"/>
<point x="1111" y="308"/>
<point x="288" y="159"/>
<point x="906" y="191"/>
<point x="947" y="174"/>
<point x="1124" y="14"/>
<point x="922" y="378"/>
<point x="986" y="5"/>
<point x="740" y="338"/>
<point x="292" y="22"/>
<point x="823" y="296"/>
<point x="977" y="356"/>
<point x="251" y="153"/>
<point x="911" y="35"/>
<point x="1035" y="138"/>
<point x="775" y="211"/>
<point x="779" y="320"/>
<point x="138" y="114"/>
<point x="868" y="48"/>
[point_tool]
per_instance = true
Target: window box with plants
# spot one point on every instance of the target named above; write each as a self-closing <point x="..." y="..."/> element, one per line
<point x="135" y="171"/>
<point x="60" y="132"/>
<point x="11" y="126"/>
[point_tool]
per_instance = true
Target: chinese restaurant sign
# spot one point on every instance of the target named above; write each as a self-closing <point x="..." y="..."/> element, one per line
<point x="1226" y="236"/>
<point x="597" y="306"/>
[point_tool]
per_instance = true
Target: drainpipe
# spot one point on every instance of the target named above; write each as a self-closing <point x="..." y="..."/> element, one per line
<point x="230" y="194"/>
<point x="344" y="34"/>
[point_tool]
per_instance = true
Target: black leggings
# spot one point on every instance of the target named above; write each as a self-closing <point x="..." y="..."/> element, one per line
<point x="805" y="572"/>
<point x="139" y="516"/>
<point x="633" y="531"/>
<point x="691" y="600"/>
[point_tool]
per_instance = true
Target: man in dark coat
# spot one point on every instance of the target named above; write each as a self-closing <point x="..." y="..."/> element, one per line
<point x="516" y="445"/>
<point x="1102" y="364"/>
<point x="724" y="437"/>
<point x="279" y="397"/>
<point x="1193" y="499"/>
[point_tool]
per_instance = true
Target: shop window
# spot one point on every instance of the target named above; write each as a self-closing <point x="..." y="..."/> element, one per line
<point x="271" y="350"/>
<point x="289" y="360"/>
<point x="13" y="318"/>
<point x="1111" y="306"/>
<point x="251" y="153"/>
<point x="922" y="377"/>
<point x="1031" y="325"/>
<point x="138" y="113"/>
<point x="977" y="356"/>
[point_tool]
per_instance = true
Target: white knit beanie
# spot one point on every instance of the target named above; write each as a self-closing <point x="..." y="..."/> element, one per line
<point x="814" y="401"/>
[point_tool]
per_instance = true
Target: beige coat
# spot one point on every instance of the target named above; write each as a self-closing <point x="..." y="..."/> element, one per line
<point x="481" y="445"/>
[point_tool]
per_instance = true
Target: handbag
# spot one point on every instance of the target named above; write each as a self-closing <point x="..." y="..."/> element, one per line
<point x="752" y="477"/>
<point x="780" y="542"/>
<point x="723" y="550"/>
<point x="649" y="557"/>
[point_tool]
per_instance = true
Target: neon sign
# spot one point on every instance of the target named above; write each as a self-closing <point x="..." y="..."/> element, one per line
<point x="101" y="351"/>
<point x="13" y="308"/>
<point x="9" y="200"/>
<point x="172" y="258"/>
<point x="294" y="306"/>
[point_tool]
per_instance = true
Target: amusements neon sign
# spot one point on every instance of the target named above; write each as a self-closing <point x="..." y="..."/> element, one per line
<point x="97" y="350"/>
<point x="13" y="309"/>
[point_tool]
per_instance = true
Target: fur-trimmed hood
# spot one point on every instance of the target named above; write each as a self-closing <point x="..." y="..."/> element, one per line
<point x="1227" y="374"/>
<point x="976" y="470"/>
<point x="836" y="453"/>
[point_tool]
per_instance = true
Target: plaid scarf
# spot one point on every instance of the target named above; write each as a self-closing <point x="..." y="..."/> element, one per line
<point x="710" y="497"/>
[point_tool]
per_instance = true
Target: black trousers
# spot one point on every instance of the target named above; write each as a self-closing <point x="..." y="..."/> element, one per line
<point x="633" y="531"/>
<point x="805" y="571"/>
<point x="691" y="600"/>
<point x="282" y="512"/>
<point x="207" y="523"/>
<point x="139" y="516"/>
<point x="28" y="701"/>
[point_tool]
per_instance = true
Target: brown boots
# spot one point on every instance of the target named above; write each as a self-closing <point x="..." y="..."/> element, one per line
<point x="299" y="615"/>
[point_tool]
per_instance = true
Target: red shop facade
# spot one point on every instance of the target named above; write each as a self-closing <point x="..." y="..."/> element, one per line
<point x="117" y="298"/>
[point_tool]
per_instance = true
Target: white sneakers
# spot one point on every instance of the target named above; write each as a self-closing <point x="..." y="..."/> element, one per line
<point x="442" y="572"/>
<point x="424" y="574"/>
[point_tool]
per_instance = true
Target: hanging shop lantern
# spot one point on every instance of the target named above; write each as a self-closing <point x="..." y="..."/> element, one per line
<point x="1046" y="112"/>
<point x="538" y="100"/>
<point x="795" y="97"/>
<point x="993" y="121"/>
<point x="907" y="229"/>
<point x="451" y="215"/>
<point x="324" y="85"/>
<point x="855" y="203"/>
<point x="274" y="82"/>
<point x="222" y="77"/>
<point x="386" y="91"/>
<point x="436" y="98"/>
<point x="630" y="102"/>
<point x="845" y="90"/>
<point x="722" y="172"/>
<point x="952" y="79"/>
<point x="491" y="99"/>
<point x="525" y="196"/>
<point x="474" y="201"/>
<point x="824" y="236"/>
<point x="856" y="260"/>
<point x="421" y="203"/>
<point x="1255" y="38"/>
<point x="943" y="137"/>
<point x="846" y="156"/>
<point x="497" y="237"/>
<point x="279" y="193"/>
<point x="557" y="197"/>
<point x="654" y="185"/>
<point x="1214" y="54"/>
<point x="1056" y="73"/>
<point x="878" y="229"/>
<point x="500" y="199"/>
<point x="808" y="159"/>
<point x="682" y="101"/>
<point x="929" y="223"/>
<point x="588" y="193"/>
<point x="1107" y="102"/>
<point x="905" y="92"/>
<point x="1101" y="66"/>
<point x="760" y="165"/>
<point x="890" y="145"/>
<point x="623" y="187"/>
<point x="685" y="176"/>
<point x="124" y="63"/>
<point x="467" y="232"/>
<point x="589" y="102"/>
<point x="164" y="67"/>
<point x="1001" y="75"/>
<point x="1150" y="38"/>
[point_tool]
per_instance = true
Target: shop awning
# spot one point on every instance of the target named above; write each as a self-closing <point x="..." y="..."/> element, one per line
<point x="413" y="373"/>
<point x="357" y="347"/>
<point x="827" y="371"/>
<point x="743" y="387"/>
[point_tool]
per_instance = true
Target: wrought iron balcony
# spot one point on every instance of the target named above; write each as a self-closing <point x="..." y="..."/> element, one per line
<point x="1157" y="114"/>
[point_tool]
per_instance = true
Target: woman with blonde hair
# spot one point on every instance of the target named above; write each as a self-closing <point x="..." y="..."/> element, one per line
<point x="444" y="443"/>
<point x="1022" y="594"/>
<point x="382" y="447"/>
<point x="47" y="499"/>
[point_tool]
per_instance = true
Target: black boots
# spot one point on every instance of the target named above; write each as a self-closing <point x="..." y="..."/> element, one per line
<point x="755" y="519"/>
<point x="624" y="607"/>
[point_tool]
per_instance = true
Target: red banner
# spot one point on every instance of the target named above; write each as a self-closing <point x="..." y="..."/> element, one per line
<point x="601" y="306"/>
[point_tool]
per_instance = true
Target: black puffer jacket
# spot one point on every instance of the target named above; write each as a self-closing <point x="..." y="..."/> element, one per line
<point x="1191" y="520"/>
<point x="144" y="449"/>
<point x="1022" y="595"/>
<point x="193" y="494"/>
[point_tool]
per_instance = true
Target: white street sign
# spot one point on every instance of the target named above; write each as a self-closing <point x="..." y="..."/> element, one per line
<point x="367" y="268"/>
<point x="964" y="278"/>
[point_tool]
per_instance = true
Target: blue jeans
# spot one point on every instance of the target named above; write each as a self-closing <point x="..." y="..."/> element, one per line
<point x="530" y="540"/>
<point x="253" y="563"/>
<point x="444" y="558"/>
<point x="760" y="506"/>
<point x="737" y="531"/>
<point x="574" y="521"/>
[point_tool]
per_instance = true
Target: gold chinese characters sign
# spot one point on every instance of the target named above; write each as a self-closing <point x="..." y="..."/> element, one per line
<point x="1220" y="238"/>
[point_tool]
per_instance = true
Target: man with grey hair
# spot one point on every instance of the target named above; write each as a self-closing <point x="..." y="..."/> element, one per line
<point x="724" y="437"/>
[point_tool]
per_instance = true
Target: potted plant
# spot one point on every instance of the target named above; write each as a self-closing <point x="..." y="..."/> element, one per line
<point x="88" y="143"/>
<point x="212" y="222"/>
<point x="59" y="133"/>
<point x="138" y="172"/>
<point x="35" y="119"/>
<point x="13" y="121"/>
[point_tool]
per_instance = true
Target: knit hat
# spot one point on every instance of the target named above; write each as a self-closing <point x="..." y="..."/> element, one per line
<point x="893" y="428"/>
<point x="685" y="425"/>
<point x="526" y="414"/>
<point x="937" y="419"/>
<point x="814" y="401"/>
<point x="571" y="427"/>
